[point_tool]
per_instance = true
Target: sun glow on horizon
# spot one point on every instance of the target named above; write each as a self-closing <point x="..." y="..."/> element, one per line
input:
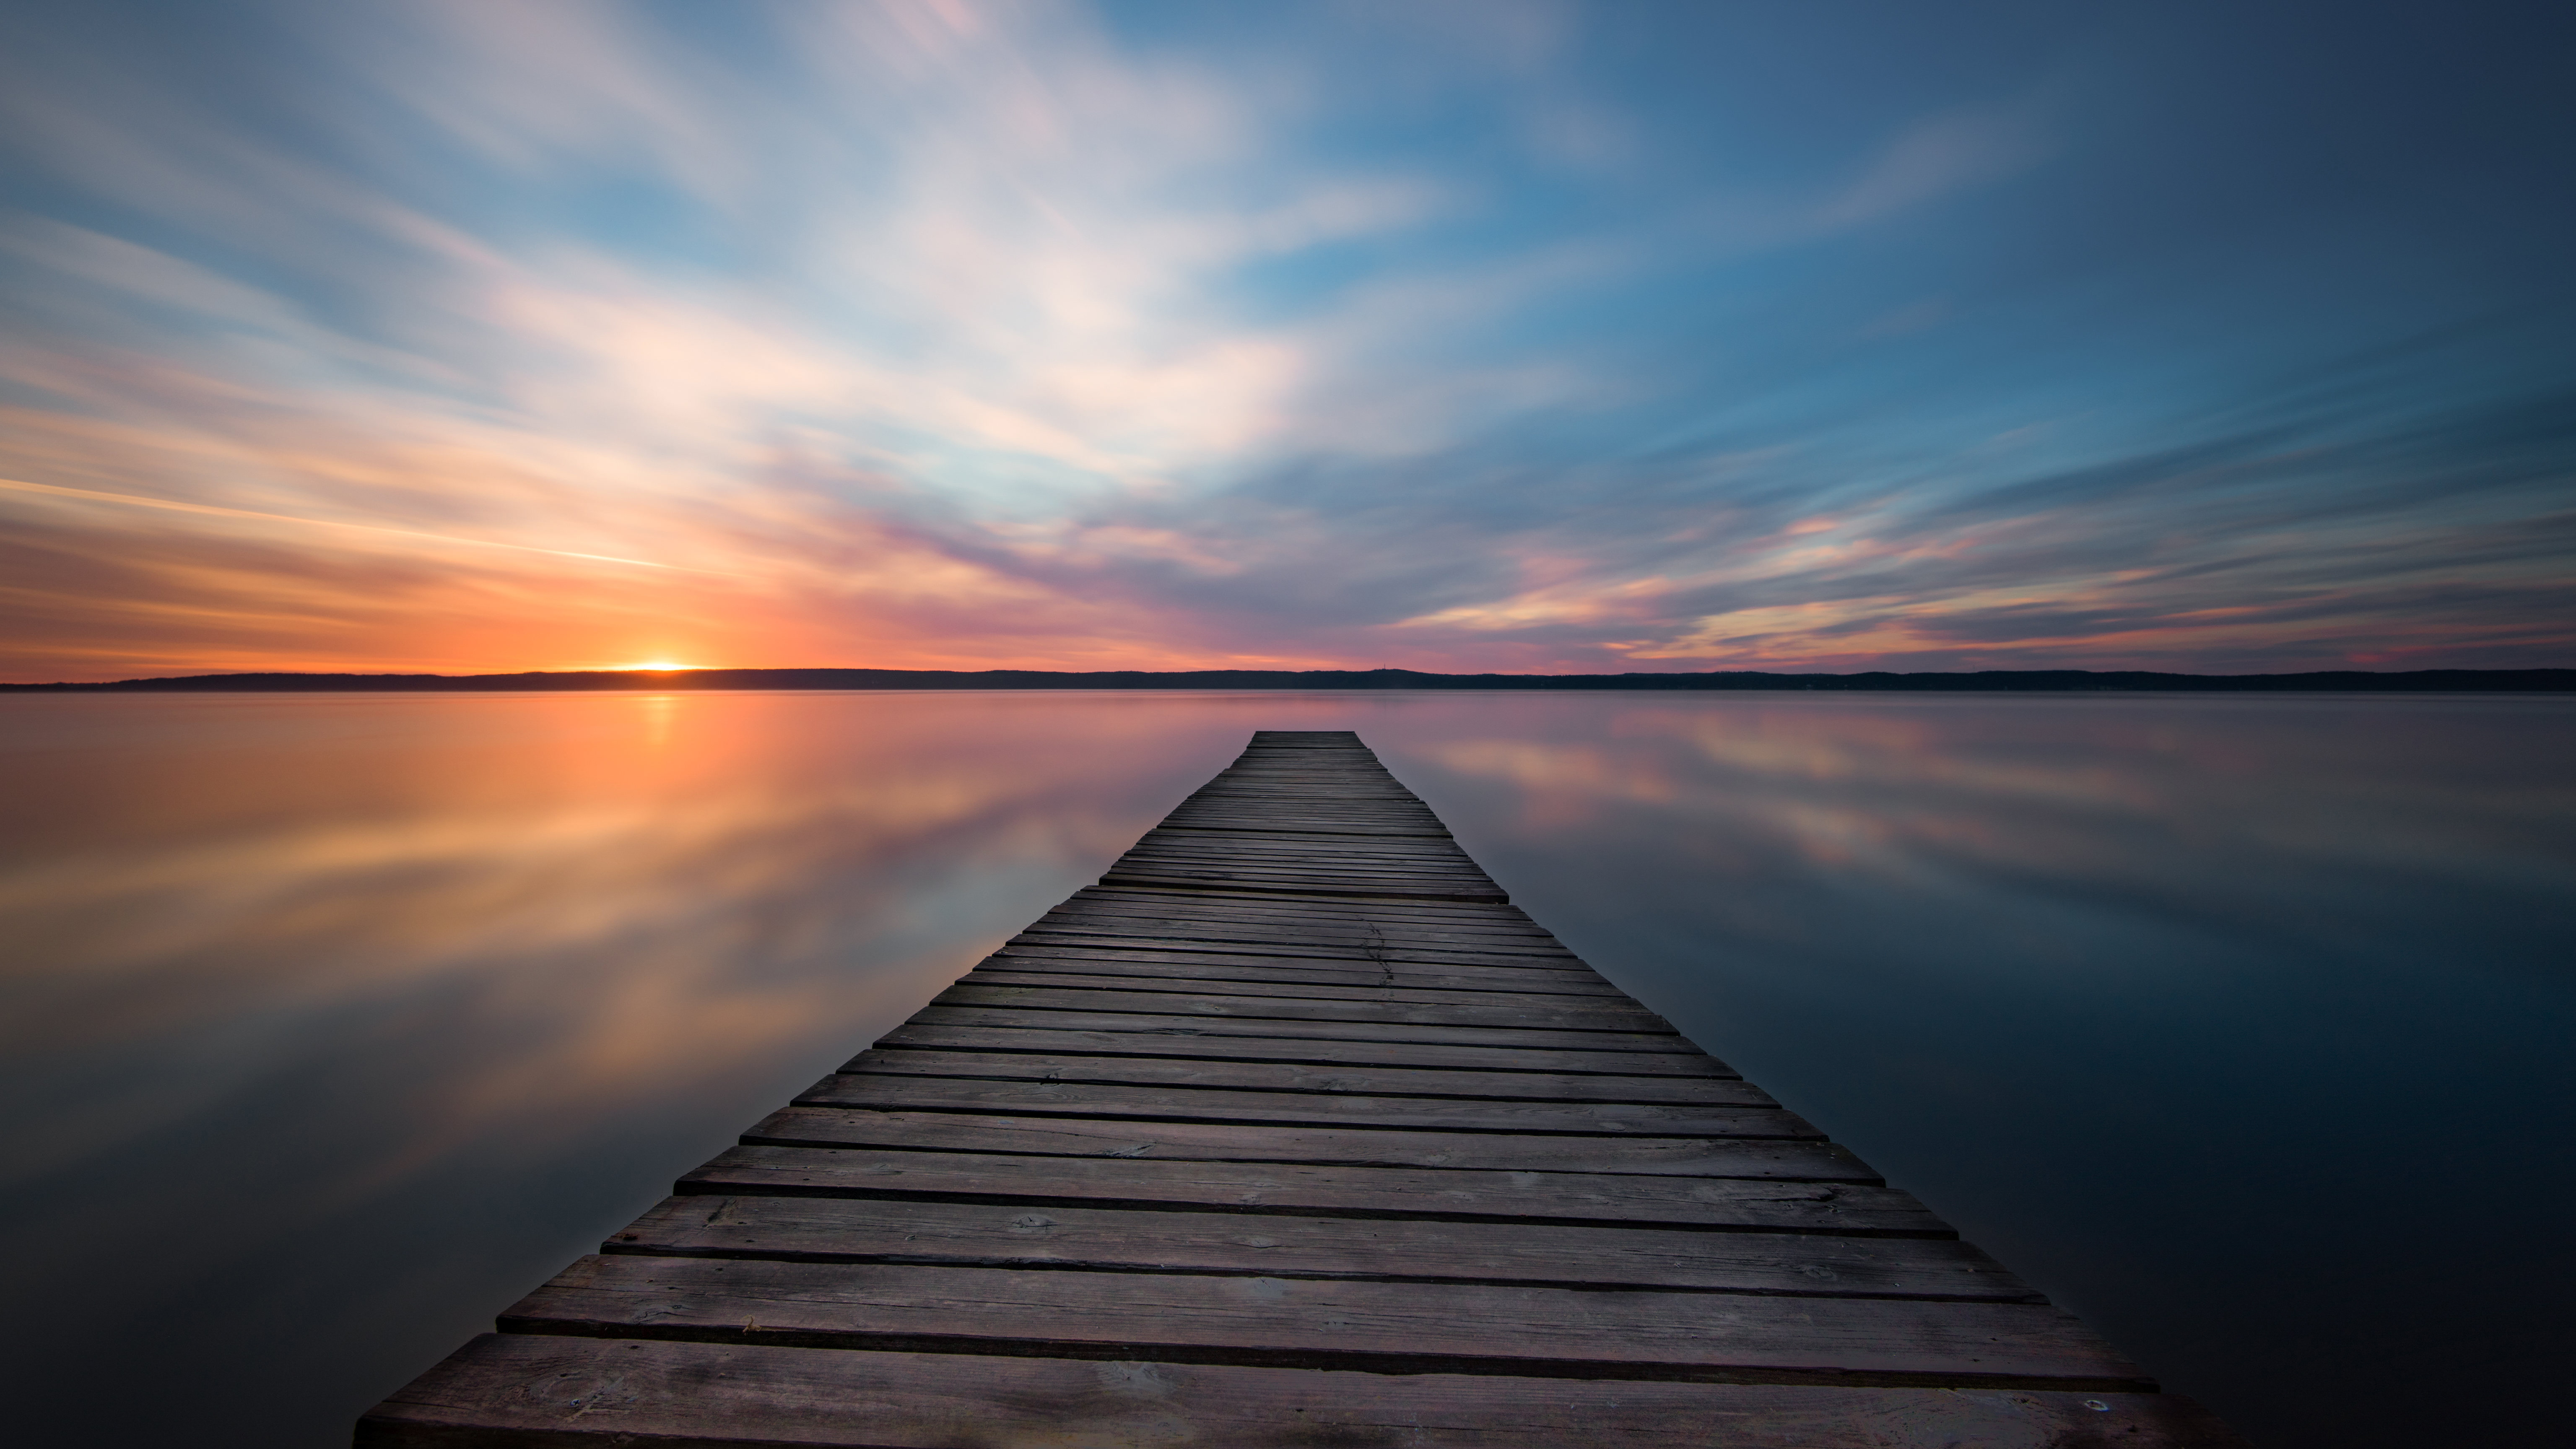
<point x="824" y="334"/>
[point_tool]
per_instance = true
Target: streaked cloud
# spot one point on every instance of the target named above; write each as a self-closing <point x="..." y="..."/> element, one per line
<point x="489" y="336"/>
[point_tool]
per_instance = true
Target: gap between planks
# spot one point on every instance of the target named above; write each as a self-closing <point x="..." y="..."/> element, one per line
<point x="1297" y="1128"/>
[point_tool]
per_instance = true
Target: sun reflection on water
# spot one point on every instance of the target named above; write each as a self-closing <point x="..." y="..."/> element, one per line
<point x="332" y="1023"/>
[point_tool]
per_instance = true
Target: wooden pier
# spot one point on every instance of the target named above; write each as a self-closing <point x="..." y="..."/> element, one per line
<point x="1293" y="1131"/>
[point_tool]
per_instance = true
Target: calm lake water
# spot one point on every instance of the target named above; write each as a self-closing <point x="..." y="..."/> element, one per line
<point x="334" y="1023"/>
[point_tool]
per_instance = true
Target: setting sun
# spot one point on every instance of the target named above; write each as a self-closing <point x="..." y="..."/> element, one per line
<point x="658" y="666"/>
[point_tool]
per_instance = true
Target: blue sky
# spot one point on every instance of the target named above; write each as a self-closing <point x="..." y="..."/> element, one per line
<point x="1487" y="335"/>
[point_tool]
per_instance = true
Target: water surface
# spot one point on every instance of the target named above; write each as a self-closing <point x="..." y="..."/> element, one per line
<point x="333" y="1023"/>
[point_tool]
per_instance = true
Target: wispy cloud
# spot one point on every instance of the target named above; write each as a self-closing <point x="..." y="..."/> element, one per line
<point x="972" y="333"/>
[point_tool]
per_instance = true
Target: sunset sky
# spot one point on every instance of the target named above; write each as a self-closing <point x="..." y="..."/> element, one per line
<point x="1457" y="334"/>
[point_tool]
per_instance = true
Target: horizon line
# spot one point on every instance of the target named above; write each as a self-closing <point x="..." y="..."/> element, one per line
<point x="2548" y="679"/>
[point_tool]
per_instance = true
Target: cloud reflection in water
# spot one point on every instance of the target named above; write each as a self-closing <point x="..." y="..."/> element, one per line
<point x="2198" y="1012"/>
<point x="333" y="973"/>
<point x="340" y="1021"/>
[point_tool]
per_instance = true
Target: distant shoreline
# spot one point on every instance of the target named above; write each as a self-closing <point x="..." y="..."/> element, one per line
<point x="2057" y="681"/>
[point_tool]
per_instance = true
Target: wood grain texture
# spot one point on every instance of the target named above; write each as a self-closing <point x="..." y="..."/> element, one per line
<point x="1487" y="917"/>
<point x="1169" y="968"/>
<point x="1340" y="941"/>
<point x="1405" y="1081"/>
<point x="1563" y="1018"/>
<point x="1467" y="915"/>
<point x="532" y="1392"/>
<point x="1801" y="1187"/>
<point x="1291" y="1132"/>
<point x="1074" y="1136"/>
<point x="1386" y="990"/>
<point x="1314" y="886"/>
<point x="1110" y="946"/>
<point x="1354" y="926"/>
<point x="1021" y="1235"/>
<point x="1320" y="1026"/>
<point x="1305" y="922"/>
<point x="1325" y="1323"/>
<point x="888" y="1092"/>
<point x="1192" y="1044"/>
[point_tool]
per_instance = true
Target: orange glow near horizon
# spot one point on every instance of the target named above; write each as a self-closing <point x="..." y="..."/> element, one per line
<point x="821" y="337"/>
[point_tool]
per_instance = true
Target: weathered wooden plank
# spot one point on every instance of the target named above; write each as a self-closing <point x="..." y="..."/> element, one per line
<point x="1277" y="820"/>
<point x="1629" y="1019"/>
<point x="1814" y="1188"/>
<point x="1300" y="807"/>
<point x="1350" y="761"/>
<point x="1407" y="875"/>
<point x="1015" y="1235"/>
<point x="1303" y="812"/>
<point x="1464" y="911"/>
<point x="1230" y="1142"/>
<point x="1016" y="972"/>
<point x="1251" y="947"/>
<point x="1285" y="949"/>
<point x="1495" y="918"/>
<point x="1293" y="1090"/>
<point x="1299" y="803"/>
<point x="885" y="1092"/>
<point x="1327" y="927"/>
<point x="1380" y="797"/>
<point x="546" y="1392"/>
<point x="1218" y="937"/>
<point x="1354" y="772"/>
<point x="1331" y="786"/>
<point x="1116" y="971"/>
<point x="1309" y="815"/>
<point x="1317" y="887"/>
<point x="1325" y="849"/>
<point x="1212" y="1028"/>
<point x="1401" y="876"/>
<point x="1320" y="887"/>
<point x="1256" y="771"/>
<point x="1322" y="1050"/>
<point x="1459" y="918"/>
<point x="1288" y="859"/>
<point x="1478" y="918"/>
<point x="1331" y="782"/>
<point x="1346" y="757"/>
<point x="1344" y="941"/>
<point x="1310" y="819"/>
<point x="1326" y="1323"/>
<point x="1336" y="923"/>
<point x="1500" y="986"/>
<point x="1322" y="853"/>
<point x="1335" y="788"/>
<point x="1504" y="975"/>
<point x="1341" y="792"/>
<point x="1349" y="781"/>
<point x="1315" y="946"/>
<point x="1336" y="971"/>
<point x="1320" y="930"/>
<point x="1235" y="1074"/>
<point x="1356" y="767"/>
<point x="1286" y="821"/>
<point x="1318" y="848"/>
<point x="1345" y="779"/>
